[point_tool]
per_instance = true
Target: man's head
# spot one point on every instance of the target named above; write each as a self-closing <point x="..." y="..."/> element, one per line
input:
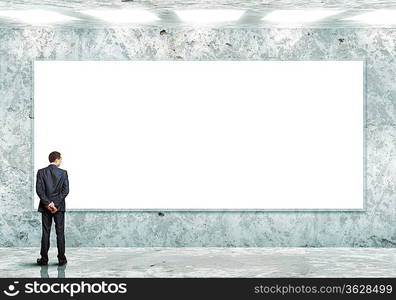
<point x="55" y="158"/>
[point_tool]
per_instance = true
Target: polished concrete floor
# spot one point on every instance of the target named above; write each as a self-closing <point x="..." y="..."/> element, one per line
<point x="203" y="262"/>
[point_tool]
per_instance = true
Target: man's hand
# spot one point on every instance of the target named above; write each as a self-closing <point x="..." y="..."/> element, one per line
<point x="51" y="207"/>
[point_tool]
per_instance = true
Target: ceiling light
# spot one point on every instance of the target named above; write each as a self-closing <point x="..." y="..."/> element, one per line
<point x="36" y="16"/>
<point x="122" y="15"/>
<point x="299" y="16"/>
<point x="209" y="15"/>
<point x="381" y="16"/>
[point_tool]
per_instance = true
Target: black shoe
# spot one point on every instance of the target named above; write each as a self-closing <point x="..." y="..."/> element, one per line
<point x="42" y="262"/>
<point x="62" y="262"/>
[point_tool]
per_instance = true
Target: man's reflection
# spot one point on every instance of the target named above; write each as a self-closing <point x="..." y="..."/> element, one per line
<point x="44" y="271"/>
<point x="61" y="271"/>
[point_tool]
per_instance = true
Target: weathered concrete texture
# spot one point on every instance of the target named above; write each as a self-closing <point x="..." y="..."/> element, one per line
<point x="20" y="225"/>
<point x="203" y="262"/>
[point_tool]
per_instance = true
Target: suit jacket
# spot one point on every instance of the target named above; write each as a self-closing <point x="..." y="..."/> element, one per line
<point x="52" y="185"/>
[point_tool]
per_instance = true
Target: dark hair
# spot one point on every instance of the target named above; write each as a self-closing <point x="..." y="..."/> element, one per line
<point x="54" y="155"/>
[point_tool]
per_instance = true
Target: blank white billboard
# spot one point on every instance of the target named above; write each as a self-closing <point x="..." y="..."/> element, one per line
<point x="203" y="134"/>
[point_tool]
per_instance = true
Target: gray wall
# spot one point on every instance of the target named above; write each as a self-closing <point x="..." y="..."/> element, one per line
<point x="20" y="226"/>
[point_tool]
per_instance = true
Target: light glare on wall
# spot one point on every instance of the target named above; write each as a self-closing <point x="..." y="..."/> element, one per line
<point x="209" y="15"/>
<point x="122" y="15"/>
<point x="382" y="16"/>
<point x="36" y="16"/>
<point x="299" y="16"/>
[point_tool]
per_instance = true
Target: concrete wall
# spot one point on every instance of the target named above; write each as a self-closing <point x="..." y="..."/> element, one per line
<point x="21" y="226"/>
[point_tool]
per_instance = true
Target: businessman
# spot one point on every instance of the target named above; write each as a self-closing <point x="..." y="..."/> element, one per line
<point x="52" y="187"/>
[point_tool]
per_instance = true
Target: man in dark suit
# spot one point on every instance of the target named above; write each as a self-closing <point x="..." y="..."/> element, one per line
<point x="52" y="187"/>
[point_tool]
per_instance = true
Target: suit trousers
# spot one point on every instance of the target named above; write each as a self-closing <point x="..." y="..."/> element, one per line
<point x="46" y="222"/>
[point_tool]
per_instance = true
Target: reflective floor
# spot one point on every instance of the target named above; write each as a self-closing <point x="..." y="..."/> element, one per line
<point x="203" y="262"/>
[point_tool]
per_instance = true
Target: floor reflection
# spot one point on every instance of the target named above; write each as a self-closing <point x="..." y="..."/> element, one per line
<point x="61" y="271"/>
<point x="44" y="272"/>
